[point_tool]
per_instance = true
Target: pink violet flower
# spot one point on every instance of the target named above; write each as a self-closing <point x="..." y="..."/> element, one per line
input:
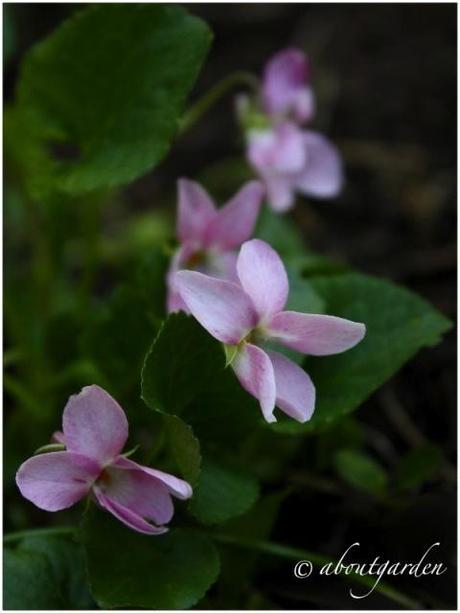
<point x="246" y="316"/>
<point x="287" y="158"/>
<point x="95" y="430"/>
<point x="291" y="160"/>
<point x="209" y="236"/>
<point x="285" y="87"/>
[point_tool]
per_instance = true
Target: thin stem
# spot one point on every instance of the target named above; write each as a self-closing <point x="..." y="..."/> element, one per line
<point x="214" y="94"/>
<point x="292" y="553"/>
<point x="15" y="536"/>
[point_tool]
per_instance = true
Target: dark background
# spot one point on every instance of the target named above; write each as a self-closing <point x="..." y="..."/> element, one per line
<point x="385" y="80"/>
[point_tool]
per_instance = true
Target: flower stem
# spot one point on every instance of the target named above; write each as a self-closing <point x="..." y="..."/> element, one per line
<point x="56" y="530"/>
<point x="214" y="94"/>
<point x="292" y="553"/>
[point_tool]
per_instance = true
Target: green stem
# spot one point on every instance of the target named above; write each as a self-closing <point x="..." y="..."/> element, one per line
<point x="15" y="536"/>
<point x="291" y="553"/>
<point x="214" y="95"/>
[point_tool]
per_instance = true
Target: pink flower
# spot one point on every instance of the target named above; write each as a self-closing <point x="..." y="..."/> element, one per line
<point x="291" y="160"/>
<point x="246" y="316"/>
<point x="95" y="431"/>
<point x="208" y="236"/>
<point x="285" y="88"/>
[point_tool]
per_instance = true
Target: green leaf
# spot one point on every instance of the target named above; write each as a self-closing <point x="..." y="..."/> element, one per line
<point x="185" y="448"/>
<point x="45" y="572"/>
<point x="128" y="569"/>
<point x="117" y="338"/>
<point x="398" y="323"/>
<point x="101" y="97"/>
<point x="361" y="471"/>
<point x="222" y="494"/>
<point x="418" y="466"/>
<point x="181" y="363"/>
<point x="184" y="374"/>
<point x="281" y="232"/>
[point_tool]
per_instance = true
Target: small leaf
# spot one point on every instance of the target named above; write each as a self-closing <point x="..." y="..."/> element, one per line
<point x="128" y="569"/>
<point x="418" y="466"/>
<point x="361" y="471"/>
<point x="222" y="494"/>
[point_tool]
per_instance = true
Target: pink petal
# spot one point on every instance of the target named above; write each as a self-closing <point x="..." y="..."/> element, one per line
<point x="95" y="425"/>
<point x="195" y="211"/>
<point x="129" y="485"/>
<point x="177" y="487"/>
<point x="284" y="81"/>
<point x="255" y="373"/>
<point x="315" y="334"/>
<point x="174" y="302"/>
<point x="280" y="193"/>
<point x="126" y="516"/>
<point x="223" y="266"/>
<point x="277" y="150"/>
<point x="221" y="307"/>
<point x="304" y="105"/>
<point x="263" y="277"/>
<point x="323" y="173"/>
<point x="234" y="222"/>
<point x="295" y="392"/>
<point x="55" y="481"/>
<point x="58" y="437"/>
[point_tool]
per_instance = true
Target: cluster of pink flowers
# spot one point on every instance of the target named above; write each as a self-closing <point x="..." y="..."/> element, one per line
<point x="287" y="158"/>
<point x="239" y="297"/>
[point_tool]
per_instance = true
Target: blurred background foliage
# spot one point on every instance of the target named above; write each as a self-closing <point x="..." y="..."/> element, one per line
<point x="79" y="270"/>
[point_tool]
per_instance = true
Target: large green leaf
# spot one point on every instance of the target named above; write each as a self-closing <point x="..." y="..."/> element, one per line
<point x="128" y="569"/>
<point x="45" y="572"/>
<point x="398" y="323"/>
<point x="184" y="373"/>
<point x="222" y="494"/>
<point x="100" y="99"/>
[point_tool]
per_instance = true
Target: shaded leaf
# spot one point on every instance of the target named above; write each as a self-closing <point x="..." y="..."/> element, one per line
<point x="101" y="97"/>
<point x="398" y="323"/>
<point x="222" y="494"/>
<point x="418" y="466"/>
<point x="128" y="569"/>
<point x="361" y="471"/>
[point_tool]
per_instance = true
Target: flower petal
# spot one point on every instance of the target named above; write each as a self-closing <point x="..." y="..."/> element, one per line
<point x="315" y="334"/>
<point x="221" y="307"/>
<point x="255" y="373"/>
<point x="55" y="481"/>
<point x="195" y="211"/>
<point x="280" y="193"/>
<point x="95" y="425"/>
<point x="295" y="392"/>
<point x="323" y="173"/>
<point x="129" y="485"/>
<point x="174" y="302"/>
<point x="284" y="82"/>
<point x="263" y="277"/>
<point x="126" y="516"/>
<point x="58" y="437"/>
<point x="235" y="221"/>
<point x="277" y="150"/>
<point x="177" y="487"/>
